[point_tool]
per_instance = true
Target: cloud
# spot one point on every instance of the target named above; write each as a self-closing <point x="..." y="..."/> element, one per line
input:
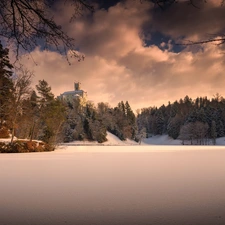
<point x="183" y="20"/>
<point x="118" y="66"/>
<point x="109" y="33"/>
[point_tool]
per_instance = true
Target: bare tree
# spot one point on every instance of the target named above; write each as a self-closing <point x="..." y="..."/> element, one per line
<point x="21" y="91"/>
<point x="165" y="3"/>
<point x="186" y="133"/>
<point x="27" y="23"/>
<point x="194" y="132"/>
<point x="201" y="131"/>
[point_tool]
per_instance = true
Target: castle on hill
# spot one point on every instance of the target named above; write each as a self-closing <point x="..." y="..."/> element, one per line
<point x="69" y="96"/>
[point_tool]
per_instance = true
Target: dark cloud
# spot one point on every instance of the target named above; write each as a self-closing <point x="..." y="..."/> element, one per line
<point x="183" y="20"/>
<point x="106" y="4"/>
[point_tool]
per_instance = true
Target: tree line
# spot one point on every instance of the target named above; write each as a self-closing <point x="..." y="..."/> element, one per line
<point x="198" y="121"/>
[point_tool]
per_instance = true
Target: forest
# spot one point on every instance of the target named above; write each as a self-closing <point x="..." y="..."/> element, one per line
<point x="40" y="121"/>
<point x="198" y="121"/>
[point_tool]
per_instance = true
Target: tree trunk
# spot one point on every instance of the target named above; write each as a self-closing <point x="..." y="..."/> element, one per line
<point x="32" y="132"/>
<point x="13" y="133"/>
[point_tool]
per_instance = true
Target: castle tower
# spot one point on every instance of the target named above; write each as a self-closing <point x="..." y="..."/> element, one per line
<point x="77" y="86"/>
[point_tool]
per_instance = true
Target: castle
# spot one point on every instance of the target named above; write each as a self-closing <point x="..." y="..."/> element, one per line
<point x="69" y="96"/>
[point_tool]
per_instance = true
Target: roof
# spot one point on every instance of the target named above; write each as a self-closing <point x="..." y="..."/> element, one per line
<point x="72" y="92"/>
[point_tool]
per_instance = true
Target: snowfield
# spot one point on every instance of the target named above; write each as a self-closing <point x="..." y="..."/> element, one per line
<point x="114" y="185"/>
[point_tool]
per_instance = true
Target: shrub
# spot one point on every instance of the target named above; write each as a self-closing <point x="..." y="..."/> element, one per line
<point x="22" y="146"/>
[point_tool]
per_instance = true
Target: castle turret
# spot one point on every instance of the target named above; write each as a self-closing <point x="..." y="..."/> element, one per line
<point x="77" y="86"/>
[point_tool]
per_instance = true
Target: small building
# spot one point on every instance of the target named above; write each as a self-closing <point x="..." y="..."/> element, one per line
<point x="69" y="96"/>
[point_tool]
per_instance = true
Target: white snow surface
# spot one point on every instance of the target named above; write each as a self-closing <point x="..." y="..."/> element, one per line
<point x="114" y="185"/>
<point x="119" y="183"/>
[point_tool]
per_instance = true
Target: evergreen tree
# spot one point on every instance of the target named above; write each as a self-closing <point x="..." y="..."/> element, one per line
<point x="174" y="109"/>
<point x="159" y="122"/>
<point x="131" y="119"/>
<point x="220" y="128"/>
<point x="122" y="108"/>
<point x="173" y="127"/>
<point x="129" y="113"/>
<point x="51" y="114"/>
<point x="52" y="119"/>
<point x="201" y="116"/>
<point x="119" y="123"/>
<point x="44" y="90"/>
<point x="6" y="84"/>
<point x="213" y="132"/>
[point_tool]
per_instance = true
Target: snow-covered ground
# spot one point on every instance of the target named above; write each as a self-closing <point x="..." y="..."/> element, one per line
<point x="118" y="183"/>
<point x="114" y="185"/>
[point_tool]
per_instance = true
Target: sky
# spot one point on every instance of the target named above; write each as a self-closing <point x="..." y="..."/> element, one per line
<point x="131" y="53"/>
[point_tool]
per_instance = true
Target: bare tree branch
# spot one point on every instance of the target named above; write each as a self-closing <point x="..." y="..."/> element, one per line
<point x="213" y="40"/>
<point x="28" y="23"/>
<point x="219" y="38"/>
<point x="164" y="3"/>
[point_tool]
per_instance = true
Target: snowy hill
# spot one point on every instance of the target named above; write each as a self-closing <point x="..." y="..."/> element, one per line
<point x="112" y="140"/>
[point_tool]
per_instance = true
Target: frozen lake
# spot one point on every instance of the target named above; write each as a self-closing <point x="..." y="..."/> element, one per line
<point x="106" y="185"/>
